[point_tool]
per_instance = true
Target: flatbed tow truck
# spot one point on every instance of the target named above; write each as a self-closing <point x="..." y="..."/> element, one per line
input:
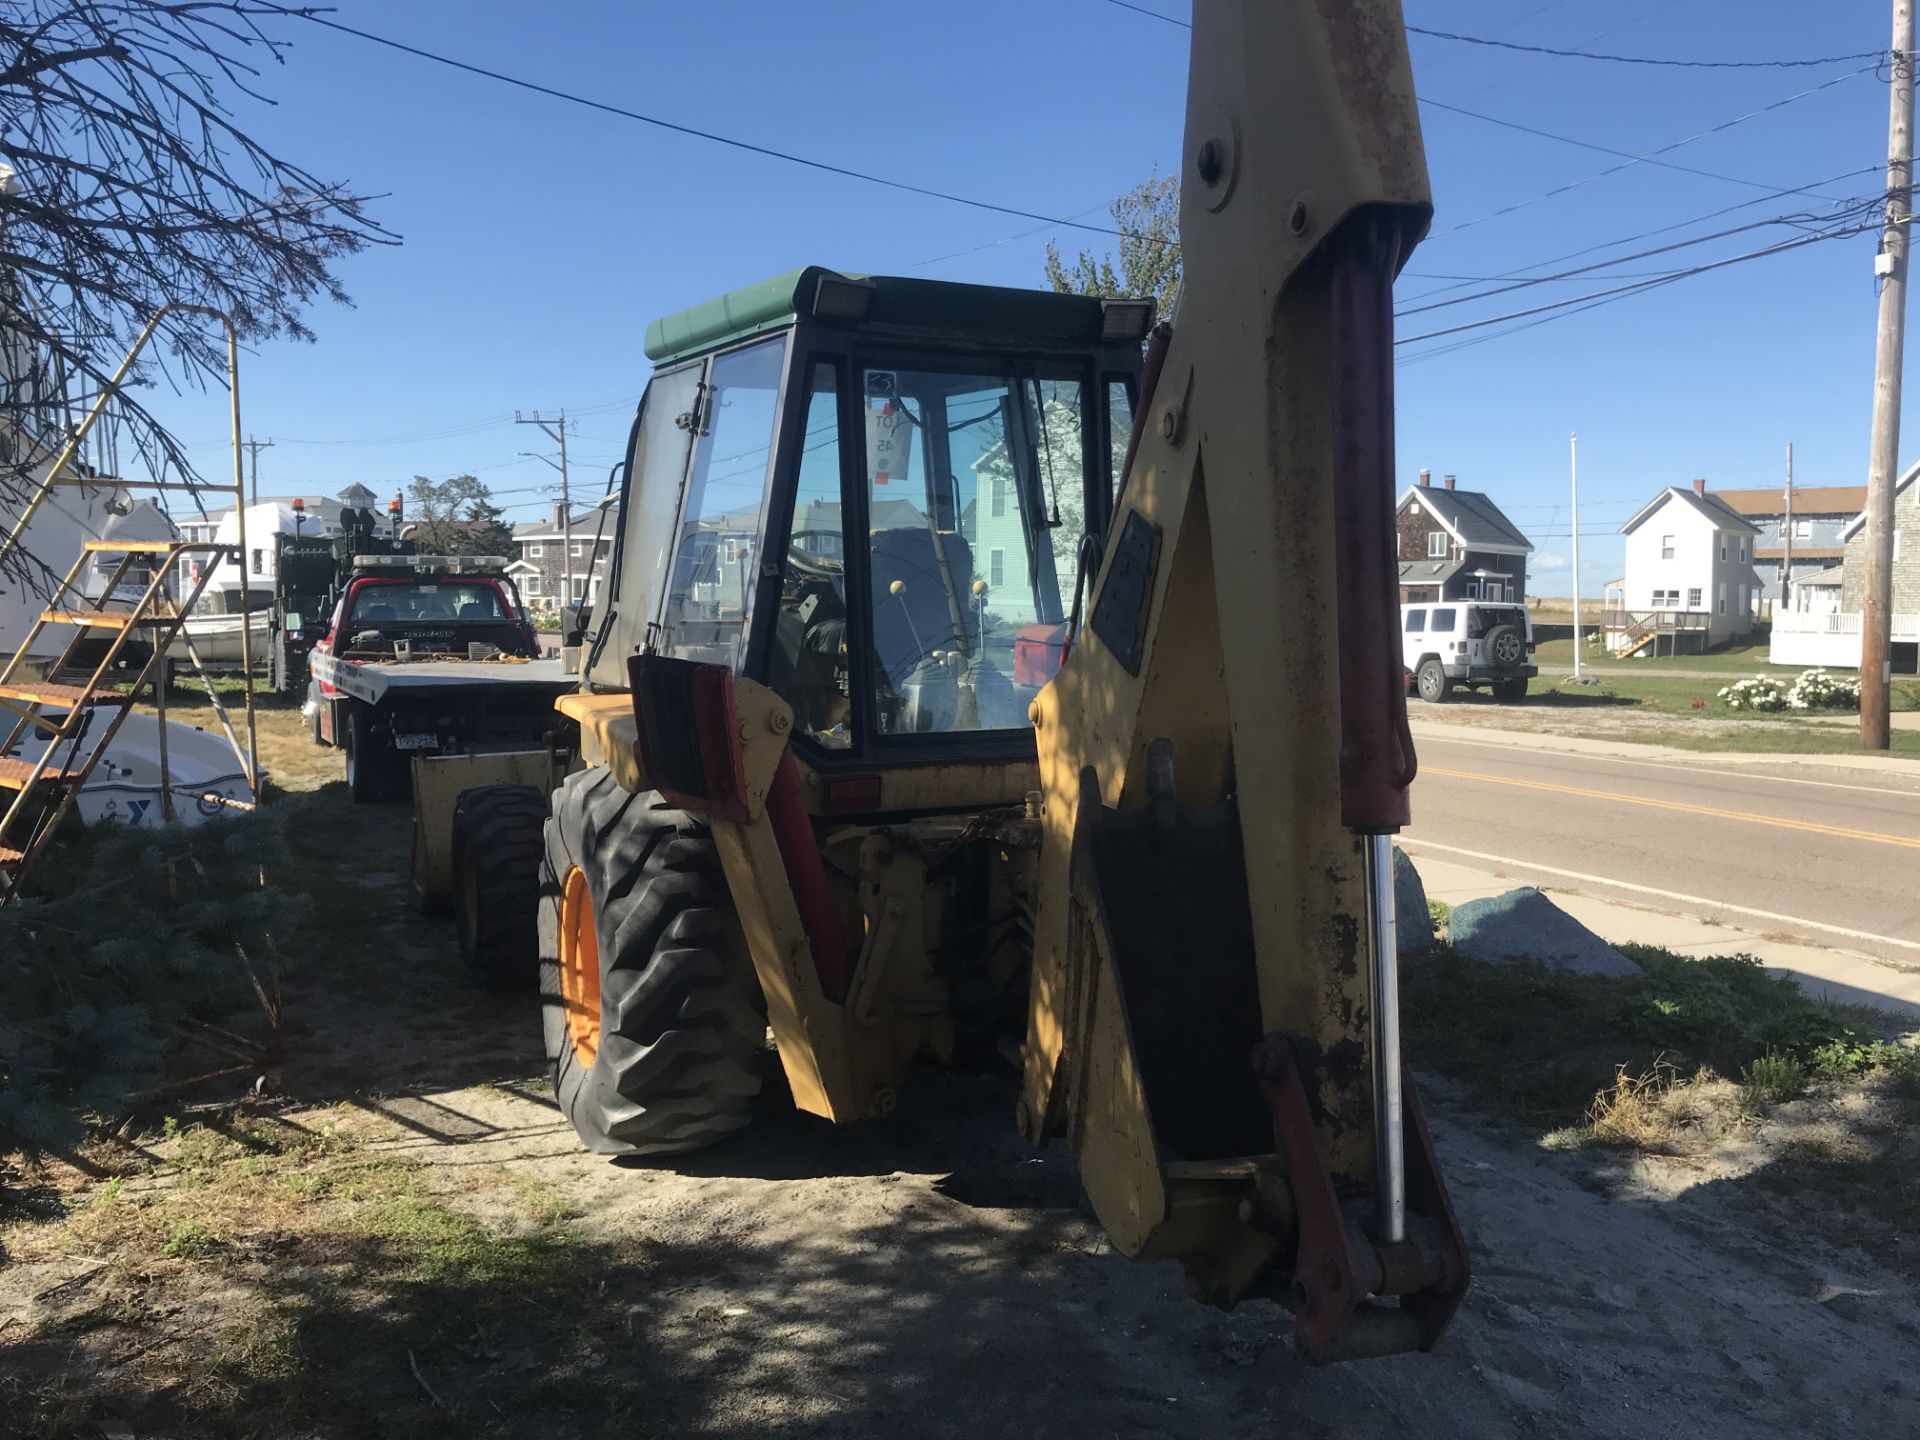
<point x="429" y="680"/>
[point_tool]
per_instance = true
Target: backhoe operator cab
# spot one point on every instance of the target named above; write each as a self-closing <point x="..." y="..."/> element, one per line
<point x="828" y="496"/>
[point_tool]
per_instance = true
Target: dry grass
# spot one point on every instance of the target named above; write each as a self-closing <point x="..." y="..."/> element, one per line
<point x="252" y="1278"/>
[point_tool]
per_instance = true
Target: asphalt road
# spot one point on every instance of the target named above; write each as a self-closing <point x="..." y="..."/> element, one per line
<point x="1828" y="857"/>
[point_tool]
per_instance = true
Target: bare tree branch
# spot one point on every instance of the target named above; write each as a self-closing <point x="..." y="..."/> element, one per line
<point x="134" y="184"/>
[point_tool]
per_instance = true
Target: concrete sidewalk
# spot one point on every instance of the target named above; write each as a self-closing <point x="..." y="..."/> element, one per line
<point x="1839" y="976"/>
<point x="1547" y="740"/>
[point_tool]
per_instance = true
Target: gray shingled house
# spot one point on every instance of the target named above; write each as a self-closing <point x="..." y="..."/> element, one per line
<point x="1457" y="545"/>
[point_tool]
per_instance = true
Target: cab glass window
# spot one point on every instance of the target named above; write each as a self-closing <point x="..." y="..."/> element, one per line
<point x="715" y="559"/>
<point x="1119" y="432"/>
<point x="1416" y="620"/>
<point x="1443" y="620"/>
<point x="807" y="658"/>
<point x="657" y="466"/>
<point x="976" y="492"/>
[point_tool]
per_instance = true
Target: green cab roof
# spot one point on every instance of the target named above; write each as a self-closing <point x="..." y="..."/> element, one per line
<point x="894" y="305"/>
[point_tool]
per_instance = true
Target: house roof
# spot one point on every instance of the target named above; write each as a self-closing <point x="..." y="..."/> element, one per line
<point x="547" y="530"/>
<point x="1471" y="517"/>
<point x="1807" y="500"/>
<point x="1852" y="527"/>
<point x="1708" y="505"/>
<point x="1429" y="572"/>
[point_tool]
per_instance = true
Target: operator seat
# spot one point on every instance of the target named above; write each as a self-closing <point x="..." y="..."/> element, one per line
<point x="476" y="610"/>
<point x="918" y="620"/>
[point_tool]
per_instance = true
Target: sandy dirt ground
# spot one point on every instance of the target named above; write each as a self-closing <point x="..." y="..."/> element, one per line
<point x="931" y="1275"/>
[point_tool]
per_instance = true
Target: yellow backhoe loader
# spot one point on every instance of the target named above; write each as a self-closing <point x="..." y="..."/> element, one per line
<point x="972" y="687"/>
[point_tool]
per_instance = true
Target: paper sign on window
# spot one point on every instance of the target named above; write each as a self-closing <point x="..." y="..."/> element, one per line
<point x="889" y="443"/>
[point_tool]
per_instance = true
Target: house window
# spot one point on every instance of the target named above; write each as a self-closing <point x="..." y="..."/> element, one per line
<point x="602" y="549"/>
<point x="578" y="551"/>
<point x="1666" y="547"/>
<point x="579" y="588"/>
<point x="1436" y="544"/>
<point x="1741" y="606"/>
<point x="1693" y="598"/>
<point x="1723" y="549"/>
<point x="1803" y="529"/>
<point x="997" y="501"/>
<point x="1721" y="598"/>
<point x="1743" y="550"/>
<point x="259" y="562"/>
<point x="535" y="552"/>
<point x="996" y="568"/>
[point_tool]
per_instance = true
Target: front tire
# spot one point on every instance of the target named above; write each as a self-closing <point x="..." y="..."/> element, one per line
<point x="1433" y="682"/>
<point x="497" y="844"/>
<point x="651" y="1010"/>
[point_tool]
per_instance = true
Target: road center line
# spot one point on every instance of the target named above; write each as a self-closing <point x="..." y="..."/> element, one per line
<point x="1413" y="842"/>
<point x="1872" y="836"/>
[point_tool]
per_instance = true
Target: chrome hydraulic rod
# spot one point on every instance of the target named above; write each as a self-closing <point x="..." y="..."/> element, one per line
<point x="1389" y="1107"/>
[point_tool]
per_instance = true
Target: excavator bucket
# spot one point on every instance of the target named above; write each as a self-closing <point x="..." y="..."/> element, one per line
<point x="1214" y="1013"/>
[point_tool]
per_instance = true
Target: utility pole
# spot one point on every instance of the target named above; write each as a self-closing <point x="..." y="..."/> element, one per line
<point x="1573" y="463"/>
<point x="254" y="447"/>
<point x="1786" y="538"/>
<point x="556" y="431"/>
<point x="1876" y="625"/>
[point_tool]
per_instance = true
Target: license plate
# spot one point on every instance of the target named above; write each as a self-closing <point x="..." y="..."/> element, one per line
<point x="416" y="742"/>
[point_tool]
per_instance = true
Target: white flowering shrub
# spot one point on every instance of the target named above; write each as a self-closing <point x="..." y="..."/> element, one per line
<point x="1817" y="690"/>
<point x="1763" y="692"/>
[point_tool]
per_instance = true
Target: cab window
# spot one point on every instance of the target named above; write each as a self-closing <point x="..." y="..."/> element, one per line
<point x="710" y="592"/>
<point x="807" y="657"/>
<point x="1416" y="620"/>
<point x="1443" y="620"/>
<point x="976" y="497"/>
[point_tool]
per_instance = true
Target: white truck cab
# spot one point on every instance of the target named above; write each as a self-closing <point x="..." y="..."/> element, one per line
<point x="1467" y="642"/>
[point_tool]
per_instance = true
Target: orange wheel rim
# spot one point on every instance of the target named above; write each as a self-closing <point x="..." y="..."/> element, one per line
<point x="580" y="967"/>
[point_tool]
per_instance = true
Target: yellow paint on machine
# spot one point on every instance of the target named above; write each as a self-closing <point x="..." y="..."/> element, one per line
<point x="1873" y="836"/>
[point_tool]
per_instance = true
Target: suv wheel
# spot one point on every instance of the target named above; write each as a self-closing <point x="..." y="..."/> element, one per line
<point x="1506" y="647"/>
<point x="1433" y="682"/>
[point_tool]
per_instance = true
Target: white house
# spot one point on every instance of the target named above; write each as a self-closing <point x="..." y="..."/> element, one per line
<point x="1822" y="626"/>
<point x="1690" y="582"/>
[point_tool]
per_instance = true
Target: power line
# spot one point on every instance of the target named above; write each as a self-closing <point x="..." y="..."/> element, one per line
<point x="1630" y="158"/>
<point x="1520" y="284"/>
<point x="1874" y="55"/>
<point x="1657" y="230"/>
<point x="1586" y="302"/>
<point x="625" y="114"/>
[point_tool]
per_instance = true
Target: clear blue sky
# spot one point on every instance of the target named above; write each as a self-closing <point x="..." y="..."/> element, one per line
<point x="540" y="237"/>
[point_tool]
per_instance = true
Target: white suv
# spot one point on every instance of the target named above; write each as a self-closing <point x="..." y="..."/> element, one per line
<point x="1467" y="642"/>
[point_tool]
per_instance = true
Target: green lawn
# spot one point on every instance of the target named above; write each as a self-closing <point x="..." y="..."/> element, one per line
<point x="1734" y="660"/>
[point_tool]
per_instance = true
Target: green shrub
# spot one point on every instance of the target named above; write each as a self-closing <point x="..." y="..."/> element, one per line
<point x="1775" y="1077"/>
<point x="121" y="935"/>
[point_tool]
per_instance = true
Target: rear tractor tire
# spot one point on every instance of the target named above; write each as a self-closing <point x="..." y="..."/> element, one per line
<point x="498" y="837"/>
<point x="652" y="1014"/>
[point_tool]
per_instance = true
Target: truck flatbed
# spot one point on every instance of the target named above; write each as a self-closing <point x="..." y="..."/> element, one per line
<point x="376" y="680"/>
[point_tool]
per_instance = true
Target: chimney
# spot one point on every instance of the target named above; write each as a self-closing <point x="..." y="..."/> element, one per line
<point x="1449" y="482"/>
<point x="559" y="516"/>
<point x="1426" y="479"/>
<point x="1699" y="487"/>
